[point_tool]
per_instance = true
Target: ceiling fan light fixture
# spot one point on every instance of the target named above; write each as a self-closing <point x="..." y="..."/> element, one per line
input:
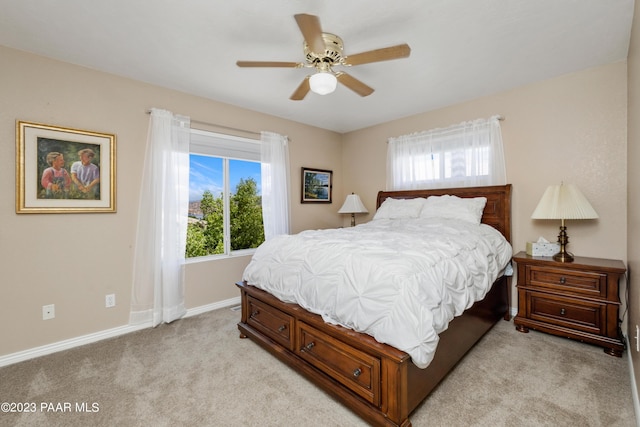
<point x="323" y="83"/>
<point x="323" y="51"/>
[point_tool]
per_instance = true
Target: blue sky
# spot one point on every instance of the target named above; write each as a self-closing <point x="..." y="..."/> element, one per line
<point x="205" y="173"/>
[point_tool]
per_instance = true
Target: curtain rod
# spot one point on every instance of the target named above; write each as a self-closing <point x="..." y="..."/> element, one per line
<point x="220" y="126"/>
<point x="252" y="132"/>
<point x="499" y="117"/>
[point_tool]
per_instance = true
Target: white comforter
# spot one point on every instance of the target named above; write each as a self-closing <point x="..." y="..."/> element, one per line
<point x="400" y="281"/>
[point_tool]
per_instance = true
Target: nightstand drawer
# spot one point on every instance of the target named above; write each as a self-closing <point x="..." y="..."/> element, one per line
<point x="582" y="283"/>
<point x="582" y="315"/>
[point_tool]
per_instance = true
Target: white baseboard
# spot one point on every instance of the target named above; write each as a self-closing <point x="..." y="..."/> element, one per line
<point x="513" y="311"/>
<point x="634" y="385"/>
<point x="214" y="306"/>
<point x="31" y="353"/>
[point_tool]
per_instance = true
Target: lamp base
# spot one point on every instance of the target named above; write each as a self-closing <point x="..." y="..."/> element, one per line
<point x="563" y="240"/>
<point x="563" y="257"/>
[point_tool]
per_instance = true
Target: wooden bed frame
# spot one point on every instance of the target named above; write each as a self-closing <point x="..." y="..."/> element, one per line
<point x="376" y="381"/>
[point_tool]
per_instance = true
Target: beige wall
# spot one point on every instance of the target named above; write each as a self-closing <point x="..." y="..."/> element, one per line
<point x="571" y="128"/>
<point x="633" y="193"/>
<point x="74" y="260"/>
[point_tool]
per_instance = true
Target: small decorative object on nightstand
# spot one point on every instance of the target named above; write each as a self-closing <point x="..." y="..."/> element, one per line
<point x="577" y="300"/>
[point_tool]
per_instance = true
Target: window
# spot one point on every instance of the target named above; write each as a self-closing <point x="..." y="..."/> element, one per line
<point x="225" y="206"/>
<point x="467" y="154"/>
<point x="447" y="165"/>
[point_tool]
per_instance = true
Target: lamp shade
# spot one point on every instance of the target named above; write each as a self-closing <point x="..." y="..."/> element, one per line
<point x="563" y="201"/>
<point x="323" y="83"/>
<point x="353" y="204"/>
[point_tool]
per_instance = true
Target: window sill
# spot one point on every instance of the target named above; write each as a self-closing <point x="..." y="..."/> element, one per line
<point x="207" y="258"/>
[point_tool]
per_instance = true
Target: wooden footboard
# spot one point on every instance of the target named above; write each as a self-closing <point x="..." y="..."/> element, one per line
<point x="376" y="381"/>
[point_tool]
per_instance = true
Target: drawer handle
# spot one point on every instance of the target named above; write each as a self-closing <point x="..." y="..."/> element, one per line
<point x="563" y="280"/>
<point x="357" y="372"/>
<point x="255" y="313"/>
<point x="562" y="311"/>
<point x="309" y="346"/>
<point x="282" y="328"/>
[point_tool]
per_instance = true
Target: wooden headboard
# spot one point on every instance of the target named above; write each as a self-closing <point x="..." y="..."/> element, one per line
<point x="497" y="212"/>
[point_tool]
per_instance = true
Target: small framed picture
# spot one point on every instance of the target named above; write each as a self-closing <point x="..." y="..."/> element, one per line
<point x="63" y="170"/>
<point x="316" y="185"/>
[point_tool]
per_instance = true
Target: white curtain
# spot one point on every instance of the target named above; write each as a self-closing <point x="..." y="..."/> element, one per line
<point x="464" y="155"/>
<point x="274" y="156"/>
<point x="158" y="283"/>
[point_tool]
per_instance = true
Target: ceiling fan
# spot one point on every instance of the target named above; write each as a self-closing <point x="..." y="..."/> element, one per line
<point x="323" y="51"/>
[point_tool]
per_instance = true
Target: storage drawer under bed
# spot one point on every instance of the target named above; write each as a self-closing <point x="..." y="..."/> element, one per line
<point x="274" y="323"/>
<point x="353" y="368"/>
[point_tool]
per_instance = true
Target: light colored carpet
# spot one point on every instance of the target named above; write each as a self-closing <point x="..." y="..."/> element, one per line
<point x="197" y="372"/>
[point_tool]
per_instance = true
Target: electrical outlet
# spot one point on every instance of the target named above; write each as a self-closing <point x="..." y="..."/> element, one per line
<point x="110" y="300"/>
<point x="48" y="311"/>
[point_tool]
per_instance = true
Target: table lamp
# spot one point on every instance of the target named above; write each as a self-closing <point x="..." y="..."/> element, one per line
<point x="353" y="205"/>
<point x="563" y="202"/>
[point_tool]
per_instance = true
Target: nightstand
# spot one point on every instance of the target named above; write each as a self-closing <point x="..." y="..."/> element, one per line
<point x="577" y="300"/>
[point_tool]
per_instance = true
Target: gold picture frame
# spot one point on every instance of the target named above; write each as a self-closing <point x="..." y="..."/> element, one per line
<point x="64" y="170"/>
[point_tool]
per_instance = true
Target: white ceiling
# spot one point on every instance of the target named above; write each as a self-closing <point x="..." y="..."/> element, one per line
<point x="460" y="49"/>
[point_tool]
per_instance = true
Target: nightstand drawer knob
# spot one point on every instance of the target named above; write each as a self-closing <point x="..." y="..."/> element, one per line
<point x="563" y="280"/>
<point x="562" y="311"/>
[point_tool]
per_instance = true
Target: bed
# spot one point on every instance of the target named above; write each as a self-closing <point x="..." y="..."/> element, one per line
<point x="378" y="381"/>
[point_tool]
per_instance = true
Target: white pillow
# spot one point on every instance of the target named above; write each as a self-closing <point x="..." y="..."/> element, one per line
<point x="399" y="208"/>
<point x="465" y="209"/>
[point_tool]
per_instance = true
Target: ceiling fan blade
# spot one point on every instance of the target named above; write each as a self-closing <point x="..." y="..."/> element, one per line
<point x="311" y="31"/>
<point x="354" y="84"/>
<point x="377" y="55"/>
<point x="301" y="91"/>
<point x="269" y="64"/>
